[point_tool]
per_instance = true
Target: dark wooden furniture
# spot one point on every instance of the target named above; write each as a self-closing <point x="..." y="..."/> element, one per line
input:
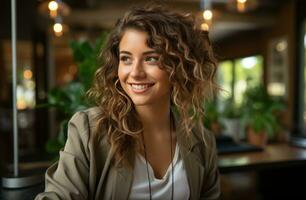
<point x="275" y="166"/>
<point x="274" y="155"/>
<point x="277" y="172"/>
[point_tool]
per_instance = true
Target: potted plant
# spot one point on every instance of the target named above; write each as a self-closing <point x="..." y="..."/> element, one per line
<point x="231" y="114"/>
<point x="212" y="115"/>
<point x="260" y="115"/>
<point x="70" y="98"/>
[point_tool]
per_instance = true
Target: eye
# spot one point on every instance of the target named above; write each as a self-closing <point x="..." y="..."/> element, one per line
<point x="152" y="59"/>
<point x="125" y="59"/>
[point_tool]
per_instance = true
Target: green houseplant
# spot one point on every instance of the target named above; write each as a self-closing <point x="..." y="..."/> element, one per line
<point x="231" y="117"/>
<point x="212" y="115"/>
<point x="70" y="98"/>
<point x="260" y="114"/>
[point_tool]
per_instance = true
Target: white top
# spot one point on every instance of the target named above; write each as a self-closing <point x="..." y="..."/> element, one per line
<point x="161" y="188"/>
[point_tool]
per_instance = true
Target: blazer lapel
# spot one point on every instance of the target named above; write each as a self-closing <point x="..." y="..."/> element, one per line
<point x="192" y="163"/>
<point x="123" y="182"/>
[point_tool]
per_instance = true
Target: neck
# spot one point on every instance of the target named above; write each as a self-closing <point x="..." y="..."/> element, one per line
<point x="155" y="119"/>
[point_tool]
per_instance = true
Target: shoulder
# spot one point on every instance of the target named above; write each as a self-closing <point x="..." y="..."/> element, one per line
<point x="84" y="123"/>
<point x="206" y="144"/>
<point x="205" y="137"/>
<point x="86" y="118"/>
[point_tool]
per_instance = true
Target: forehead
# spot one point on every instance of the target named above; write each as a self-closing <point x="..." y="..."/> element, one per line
<point x="132" y="38"/>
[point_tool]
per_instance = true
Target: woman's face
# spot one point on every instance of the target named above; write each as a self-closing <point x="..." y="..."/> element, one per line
<point x="139" y="71"/>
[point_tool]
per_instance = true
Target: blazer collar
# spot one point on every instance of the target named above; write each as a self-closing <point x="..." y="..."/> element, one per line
<point x="193" y="166"/>
<point x="123" y="183"/>
<point x="186" y="141"/>
<point x="194" y="170"/>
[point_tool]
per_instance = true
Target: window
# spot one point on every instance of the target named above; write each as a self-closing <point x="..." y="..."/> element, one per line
<point x="225" y="77"/>
<point x="234" y="76"/>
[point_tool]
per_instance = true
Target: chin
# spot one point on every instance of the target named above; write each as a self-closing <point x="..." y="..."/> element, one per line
<point x="141" y="103"/>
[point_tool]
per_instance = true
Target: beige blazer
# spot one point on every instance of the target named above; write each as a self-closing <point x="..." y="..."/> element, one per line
<point x="84" y="170"/>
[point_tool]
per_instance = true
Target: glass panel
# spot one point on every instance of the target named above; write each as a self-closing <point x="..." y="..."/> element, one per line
<point x="225" y="78"/>
<point x="25" y="78"/>
<point x="277" y="70"/>
<point x="25" y="93"/>
<point x="304" y="78"/>
<point x="248" y="72"/>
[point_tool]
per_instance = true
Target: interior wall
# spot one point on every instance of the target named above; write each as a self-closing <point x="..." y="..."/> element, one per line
<point x="285" y="27"/>
<point x="257" y="42"/>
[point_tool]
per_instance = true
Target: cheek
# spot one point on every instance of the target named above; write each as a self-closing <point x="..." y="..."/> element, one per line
<point x="122" y="73"/>
<point x="162" y="76"/>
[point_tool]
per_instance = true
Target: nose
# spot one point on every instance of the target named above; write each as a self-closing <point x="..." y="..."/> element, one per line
<point x="137" y="70"/>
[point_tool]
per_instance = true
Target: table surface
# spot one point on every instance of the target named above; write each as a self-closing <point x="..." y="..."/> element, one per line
<point x="274" y="155"/>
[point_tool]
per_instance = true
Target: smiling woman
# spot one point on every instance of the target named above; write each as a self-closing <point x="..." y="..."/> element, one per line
<point x="145" y="138"/>
<point x="140" y="73"/>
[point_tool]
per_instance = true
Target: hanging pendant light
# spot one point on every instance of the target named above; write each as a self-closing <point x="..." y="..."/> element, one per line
<point x="207" y="14"/>
<point x="242" y="5"/>
<point x="54" y="8"/>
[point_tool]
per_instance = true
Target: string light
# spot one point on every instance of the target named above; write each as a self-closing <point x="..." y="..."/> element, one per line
<point x="58" y="29"/>
<point x="207" y="14"/>
<point x="56" y="10"/>
<point x="53" y="5"/>
<point x="53" y="9"/>
<point x="241" y="5"/>
<point x="205" y="26"/>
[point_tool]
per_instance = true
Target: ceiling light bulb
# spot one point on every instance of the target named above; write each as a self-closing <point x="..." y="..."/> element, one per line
<point x="241" y="1"/>
<point x="53" y="5"/>
<point x="207" y="14"/>
<point x="205" y="27"/>
<point x="241" y="6"/>
<point x="58" y="27"/>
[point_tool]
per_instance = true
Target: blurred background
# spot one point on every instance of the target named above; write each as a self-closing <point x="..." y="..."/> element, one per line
<point x="259" y="118"/>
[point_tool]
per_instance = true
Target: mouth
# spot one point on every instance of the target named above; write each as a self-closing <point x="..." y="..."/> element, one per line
<point x="140" y="87"/>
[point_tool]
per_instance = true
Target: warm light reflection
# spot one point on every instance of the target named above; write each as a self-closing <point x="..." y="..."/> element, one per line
<point x="207" y="14"/>
<point x="281" y="46"/>
<point x="205" y="27"/>
<point x="276" y="89"/>
<point x="235" y="161"/>
<point x="30" y="85"/>
<point x="58" y="34"/>
<point x="53" y="13"/>
<point x="241" y="7"/>
<point x="27" y="74"/>
<point x="21" y="104"/>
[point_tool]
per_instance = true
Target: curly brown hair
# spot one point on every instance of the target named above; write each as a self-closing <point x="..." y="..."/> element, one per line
<point x="185" y="53"/>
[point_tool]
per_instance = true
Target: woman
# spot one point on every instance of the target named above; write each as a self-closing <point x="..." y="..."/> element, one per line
<point x="145" y="139"/>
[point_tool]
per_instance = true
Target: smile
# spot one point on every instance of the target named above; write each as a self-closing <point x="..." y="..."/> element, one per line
<point x="140" y="88"/>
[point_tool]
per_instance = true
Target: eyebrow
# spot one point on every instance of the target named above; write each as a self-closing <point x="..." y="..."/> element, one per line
<point x="144" y="53"/>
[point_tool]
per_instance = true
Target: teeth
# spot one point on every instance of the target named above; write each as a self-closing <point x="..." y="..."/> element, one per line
<point x="140" y="87"/>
